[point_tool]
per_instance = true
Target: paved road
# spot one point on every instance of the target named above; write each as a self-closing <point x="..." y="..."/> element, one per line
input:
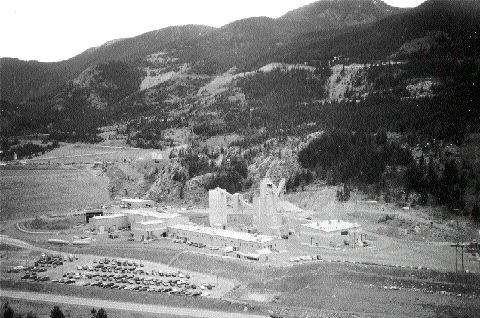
<point x="124" y="306"/>
<point x="5" y="239"/>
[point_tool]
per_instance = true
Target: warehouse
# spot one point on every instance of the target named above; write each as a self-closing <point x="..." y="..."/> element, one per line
<point x="150" y="224"/>
<point x="139" y="215"/>
<point x="328" y="232"/>
<point x="145" y="224"/>
<point x="109" y="222"/>
<point x="238" y="241"/>
<point x="148" y="230"/>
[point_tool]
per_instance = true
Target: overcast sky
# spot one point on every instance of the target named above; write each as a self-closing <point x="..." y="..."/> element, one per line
<point x="53" y="30"/>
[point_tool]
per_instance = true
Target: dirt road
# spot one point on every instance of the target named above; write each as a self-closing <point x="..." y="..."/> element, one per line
<point x="124" y="306"/>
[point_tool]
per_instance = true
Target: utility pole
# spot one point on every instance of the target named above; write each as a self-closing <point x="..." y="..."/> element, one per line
<point x="462" y="246"/>
<point x="456" y="262"/>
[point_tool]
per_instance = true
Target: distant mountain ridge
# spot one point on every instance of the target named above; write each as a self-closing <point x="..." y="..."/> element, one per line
<point x="24" y="79"/>
<point x="459" y="19"/>
<point x="360" y="29"/>
<point x="334" y="14"/>
<point x="239" y="43"/>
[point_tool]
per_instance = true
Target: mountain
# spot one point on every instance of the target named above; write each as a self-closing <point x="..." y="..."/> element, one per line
<point x="138" y="47"/>
<point x="21" y="80"/>
<point x="240" y="43"/>
<point x="452" y="26"/>
<point x="243" y="42"/>
<point x="335" y="14"/>
<point x="178" y="75"/>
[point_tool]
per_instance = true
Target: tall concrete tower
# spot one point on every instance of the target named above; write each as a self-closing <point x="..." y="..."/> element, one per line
<point x="217" y="207"/>
<point x="266" y="205"/>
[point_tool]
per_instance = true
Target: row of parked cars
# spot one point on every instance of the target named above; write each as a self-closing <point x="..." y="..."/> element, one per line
<point x="40" y="265"/>
<point x="305" y="258"/>
<point x="131" y="275"/>
<point x="32" y="269"/>
<point x="35" y="277"/>
<point x="128" y="267"/>
<point x="194" y="244"/>
<point x="113" y="261"/>
<point x="161" y="289"/>
<point x="49" y="260"/>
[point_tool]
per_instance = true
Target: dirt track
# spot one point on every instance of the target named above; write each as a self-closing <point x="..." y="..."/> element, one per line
<point x="124" y="306"/>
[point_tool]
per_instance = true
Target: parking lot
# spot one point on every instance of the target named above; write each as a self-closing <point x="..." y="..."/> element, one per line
<point x="123" y="274"/>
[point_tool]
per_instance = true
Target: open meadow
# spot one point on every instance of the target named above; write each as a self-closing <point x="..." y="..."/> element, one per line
<point x="31" y="192"/>
<point x="90" y="153"/>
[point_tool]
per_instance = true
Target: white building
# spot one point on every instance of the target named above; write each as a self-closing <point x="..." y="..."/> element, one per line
<point x="157" y="156"/>
<point x="144" y="224"/>
<point x="110" y="222"/>
<point x="266" y="205"/>
<point x="225" y="209"/>
<point x="146" y="230"/>
<point x="237" y="241"/>
<point x="328" y="232"/>
<point x="217" y="207"/>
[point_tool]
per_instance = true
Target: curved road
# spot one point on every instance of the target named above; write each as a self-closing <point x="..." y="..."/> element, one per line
<point x="124" y="306"/>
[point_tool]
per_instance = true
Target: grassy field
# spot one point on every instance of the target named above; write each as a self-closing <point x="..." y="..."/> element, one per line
<point x="90" y="153"/>
<point x="366" y="289"/>
<point x="28" y="192"/>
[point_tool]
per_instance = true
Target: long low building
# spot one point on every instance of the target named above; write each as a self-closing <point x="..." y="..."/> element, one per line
<point x="327" y="232"/>
<point x="109" y="222"/>
<point x="238" y="241"/>
<point x="146" y="230"/>
<point x="145" y="224"/>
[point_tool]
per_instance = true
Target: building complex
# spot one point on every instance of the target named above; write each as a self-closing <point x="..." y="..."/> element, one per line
<point x="250" y="229"/>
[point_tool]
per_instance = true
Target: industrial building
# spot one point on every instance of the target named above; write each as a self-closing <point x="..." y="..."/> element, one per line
<point x="328" y="232"/>
<point x="267" y="218"/>
<point x="237" y="241"/>
<point x="232" y="211"/>
<point x="109" y="222"/>
<point x="224" y="207"/>
<point x="233" y="221"/>
<point x="144" y="224"/>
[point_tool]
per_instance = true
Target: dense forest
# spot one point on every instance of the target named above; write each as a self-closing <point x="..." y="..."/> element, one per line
<point x="353" y="157"/>
<point x="231" y="173"/>
<point x="361" y="159"/>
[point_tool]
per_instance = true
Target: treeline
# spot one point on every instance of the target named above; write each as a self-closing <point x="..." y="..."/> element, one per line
<point x="125" y="77"/>
<point x="231" y="173"/>
<point x="148" y="133"/>
<point x="25" y="150"/>
<point x="8" y="312"/>
<point x="65" y="119"/>
<point x="274" y="100"/>
<point x="447" y="181"/>
<point x="68" y="116"/>
<point x="280" y="103"/>
<point x="346" y="157"/>
<point x="362" y="159"/>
